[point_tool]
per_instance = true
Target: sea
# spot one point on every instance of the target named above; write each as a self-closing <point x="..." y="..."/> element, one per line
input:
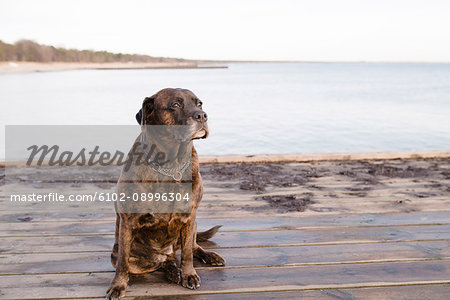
<point x="256" y="108"/>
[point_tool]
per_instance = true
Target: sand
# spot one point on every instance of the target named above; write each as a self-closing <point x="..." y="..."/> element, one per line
<point x="28" y="67"/>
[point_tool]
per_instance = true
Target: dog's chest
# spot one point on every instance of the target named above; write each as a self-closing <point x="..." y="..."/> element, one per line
<point x="150" y="220"/>
<point x="159" y="232"/>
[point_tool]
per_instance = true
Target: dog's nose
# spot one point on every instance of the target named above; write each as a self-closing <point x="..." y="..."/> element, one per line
<point x="200" y="116"/>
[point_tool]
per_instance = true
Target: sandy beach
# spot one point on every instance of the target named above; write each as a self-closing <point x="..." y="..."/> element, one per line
<point x="29" y="67"/>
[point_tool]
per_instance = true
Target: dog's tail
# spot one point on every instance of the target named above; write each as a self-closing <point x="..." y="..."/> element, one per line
<point x="206" y="235"/>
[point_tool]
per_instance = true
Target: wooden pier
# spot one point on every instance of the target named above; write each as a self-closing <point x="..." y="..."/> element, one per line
<point x="381" y="236"/>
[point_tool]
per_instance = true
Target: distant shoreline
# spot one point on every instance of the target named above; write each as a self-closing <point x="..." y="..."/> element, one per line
<point x="11" y="67"/>
<point x="30" y="67"/>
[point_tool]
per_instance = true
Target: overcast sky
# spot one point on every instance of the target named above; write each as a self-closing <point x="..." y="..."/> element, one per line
<point x="313" y="30"/>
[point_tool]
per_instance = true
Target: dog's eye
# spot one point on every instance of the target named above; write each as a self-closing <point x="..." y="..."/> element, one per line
<point x="200" y="103"/>
<point x="176" y="105"/>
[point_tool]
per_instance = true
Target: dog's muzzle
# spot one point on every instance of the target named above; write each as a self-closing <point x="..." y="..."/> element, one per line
<point x="200" y="116"/>
<point x="202" y="126"/>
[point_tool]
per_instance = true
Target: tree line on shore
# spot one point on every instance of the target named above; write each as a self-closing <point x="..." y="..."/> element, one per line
<point x="26" y="50"/>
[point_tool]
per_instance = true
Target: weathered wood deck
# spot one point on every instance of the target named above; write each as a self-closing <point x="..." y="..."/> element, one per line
<point x="389" y="241"/>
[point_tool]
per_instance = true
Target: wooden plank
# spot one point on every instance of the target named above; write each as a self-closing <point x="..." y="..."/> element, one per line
<point x="264" y="210"/>
<point x="299" y="220"/>
<point x="321" y="189"/>
<point x="239" y="239"/>
<point x="218" y="280"/>
<point x="348" y="194"/>
<point x="251" y="208"/>
<point x="369" y="203"/>
<point x="431" y="292"/>
<point x="252" y="257"/>
<point x="409" y="292"/>
<point x="321" y="211"/>
<point x="101" y="226"/>
<point x="9" y="216"/>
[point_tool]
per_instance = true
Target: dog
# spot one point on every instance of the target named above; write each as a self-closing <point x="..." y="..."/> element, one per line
<point x="148" y="241"/>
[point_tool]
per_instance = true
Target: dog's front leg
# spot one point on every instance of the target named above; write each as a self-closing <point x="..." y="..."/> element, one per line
<point x="119" y="283"/>
<point x="189" y="277"/>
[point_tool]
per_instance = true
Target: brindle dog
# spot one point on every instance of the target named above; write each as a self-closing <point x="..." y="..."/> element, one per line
<point x="145" y="242"/>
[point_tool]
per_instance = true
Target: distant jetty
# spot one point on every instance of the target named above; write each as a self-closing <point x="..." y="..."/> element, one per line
<point x="29" y="67"/>
<point x="174" y="66"/>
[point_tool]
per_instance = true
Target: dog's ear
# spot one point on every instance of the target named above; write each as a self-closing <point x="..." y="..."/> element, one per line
<point x="139" y="116"/>
<point x="146" y="110"/>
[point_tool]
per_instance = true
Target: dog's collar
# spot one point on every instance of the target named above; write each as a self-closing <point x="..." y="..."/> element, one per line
<point x="175" y="173"/>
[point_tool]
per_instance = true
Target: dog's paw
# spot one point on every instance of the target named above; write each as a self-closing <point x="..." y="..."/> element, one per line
<point x="190" y="281"/>
<point x="116" y="290"/>
<point x="212" y="258"/>
<point x="172" y="273"/>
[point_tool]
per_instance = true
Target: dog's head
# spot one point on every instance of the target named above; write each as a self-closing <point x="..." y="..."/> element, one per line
<point x="175" y="107"/>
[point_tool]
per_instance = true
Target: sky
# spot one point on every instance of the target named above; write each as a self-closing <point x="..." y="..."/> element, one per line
<point x="281" y="30"/>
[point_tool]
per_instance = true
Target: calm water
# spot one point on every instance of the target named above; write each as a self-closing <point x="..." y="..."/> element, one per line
<point x="257" y="108"/>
